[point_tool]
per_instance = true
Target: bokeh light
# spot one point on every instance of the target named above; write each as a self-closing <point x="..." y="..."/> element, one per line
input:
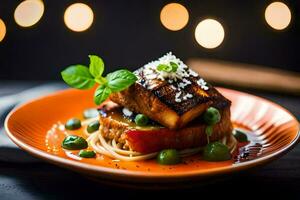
<point x="209" y="33"/>
<point x="29" y="12"/>
<point x="278" y="15"/>
<point x="174" y="16"/>
<point x="78" y="17"/>
<point x="2" y="30"/>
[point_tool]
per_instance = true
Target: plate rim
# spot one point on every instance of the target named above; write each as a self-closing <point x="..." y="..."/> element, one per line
<point x="97" y="170"/>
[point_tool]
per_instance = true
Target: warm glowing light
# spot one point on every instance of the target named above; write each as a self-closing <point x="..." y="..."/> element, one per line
<point x="278" y="15"/>
<point x="78" y="17"/>
<point x="209" y="33"/>
<point x="2" y="30"/>
<point x="29" y="12"/>
<point x="174" y="16"/>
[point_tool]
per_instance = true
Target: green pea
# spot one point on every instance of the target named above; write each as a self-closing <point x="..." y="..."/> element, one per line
<point x="73" y="124"/>
<point x="168" y="157"/>
<point x="93" y="126"/>
<point x="141" y="120"/>
<point x="216" y="151"/>
<point x="240" y="136"/>
<point x="87" y="154"/>
<point x="212" y="116"/>
<point x="90" y="113"/>
<point x="73" y="142"/>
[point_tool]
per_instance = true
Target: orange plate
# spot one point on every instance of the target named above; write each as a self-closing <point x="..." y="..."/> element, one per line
<point x="272" y="131"/>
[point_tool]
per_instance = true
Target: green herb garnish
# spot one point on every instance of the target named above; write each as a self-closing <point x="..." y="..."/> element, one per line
<point x="101" y="94"/>
<point x="78" y="76"/>
<point x="165" y="68"/>
<point x="83" y="77"/>
<point x="120" y="80"/>
<point x="172" y="67"/>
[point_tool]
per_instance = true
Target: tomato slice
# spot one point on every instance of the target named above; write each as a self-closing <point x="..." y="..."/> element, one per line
<point x="148" y="141"/>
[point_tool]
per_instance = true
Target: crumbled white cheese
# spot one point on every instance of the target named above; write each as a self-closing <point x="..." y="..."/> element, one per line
<point x="127" y="112"/>
<point x="152" y="86"/>
<point x="181" y="85"/>
<point x="202" y="84"/>
<point x="193" y="73"/>
<point x="187" y="96"/>
<point x="151" y="68"/>
<point x="173" y="87"/>
<point x="151" y="76"/>
<point x="177" y="95"/>
<point x="186" y="81"/>
<point x="178" y="79"/>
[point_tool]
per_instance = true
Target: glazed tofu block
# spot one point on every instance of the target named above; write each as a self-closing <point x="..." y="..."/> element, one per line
<point x="171" y="97"/>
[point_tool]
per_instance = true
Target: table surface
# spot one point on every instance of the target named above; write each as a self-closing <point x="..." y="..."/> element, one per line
<point x="45" y="181"/>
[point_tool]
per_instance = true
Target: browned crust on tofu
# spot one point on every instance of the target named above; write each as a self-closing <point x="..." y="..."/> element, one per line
<point x="159" y="104"/>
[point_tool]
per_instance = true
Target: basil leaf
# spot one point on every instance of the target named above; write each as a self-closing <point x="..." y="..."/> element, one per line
<point x="96" y="66"/>
<point x="174" y="66"/>
<point x="78" y="76"/>
<point x="101" y="94"/>
<point x="120" y="80"/>
<point x="101" y="80"/>
<point x="163" y="67"/>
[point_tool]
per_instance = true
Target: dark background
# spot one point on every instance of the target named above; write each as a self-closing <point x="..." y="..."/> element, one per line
<point x="129" y="34"/>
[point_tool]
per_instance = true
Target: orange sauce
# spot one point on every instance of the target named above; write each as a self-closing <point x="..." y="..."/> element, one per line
<point x="56" y="135"/>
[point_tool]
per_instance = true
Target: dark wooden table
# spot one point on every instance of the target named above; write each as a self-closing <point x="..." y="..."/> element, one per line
<point x="45" y="181"/>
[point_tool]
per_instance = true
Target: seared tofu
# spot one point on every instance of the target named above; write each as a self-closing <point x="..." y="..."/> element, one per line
<point x="171" y="99"/>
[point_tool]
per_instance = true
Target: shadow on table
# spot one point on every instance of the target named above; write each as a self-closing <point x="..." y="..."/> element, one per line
<point x="45" y="181"/>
